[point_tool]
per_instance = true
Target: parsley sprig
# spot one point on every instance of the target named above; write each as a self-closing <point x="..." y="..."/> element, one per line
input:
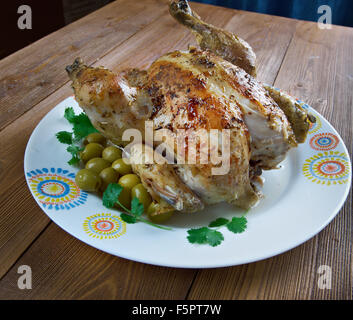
<point x="206" y="235"/>
<point x="111" y="197"/>
<point x="82" y="127"/>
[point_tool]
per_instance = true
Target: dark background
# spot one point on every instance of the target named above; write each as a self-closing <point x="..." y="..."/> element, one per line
<point x="342" y="10"/>
<point x="51" y="15"/>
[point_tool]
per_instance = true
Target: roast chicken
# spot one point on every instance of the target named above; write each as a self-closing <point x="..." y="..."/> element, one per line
<point x="212" y="90"/>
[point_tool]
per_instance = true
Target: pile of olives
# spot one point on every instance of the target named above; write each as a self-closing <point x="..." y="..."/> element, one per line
<point x="104" y="165"/>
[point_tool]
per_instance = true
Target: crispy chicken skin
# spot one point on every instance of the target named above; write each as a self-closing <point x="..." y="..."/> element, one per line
<point x="198" y="91"/>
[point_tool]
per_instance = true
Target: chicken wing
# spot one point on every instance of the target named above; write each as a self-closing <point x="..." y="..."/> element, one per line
<point x="298" y="117"/>
<point x="113" y="102"/>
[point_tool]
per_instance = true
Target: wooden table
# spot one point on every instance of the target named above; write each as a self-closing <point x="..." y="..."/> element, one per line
<point x="312" y="64"/>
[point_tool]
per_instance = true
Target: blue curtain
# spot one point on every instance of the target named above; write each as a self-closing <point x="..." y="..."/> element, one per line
<point x="342" y="10"/>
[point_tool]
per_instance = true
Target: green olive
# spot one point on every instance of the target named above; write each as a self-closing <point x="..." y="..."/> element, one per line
<point x="129" y="180"/>
<point x="92" y="150"/>
<point x="154" y="215"/>
<point x="125" y="198"/>
<point x="108" y="175"/>
<point x="111" y="154"/>
<point x="96" y="138"/>
<point x="97" y="164"/>
<point x="140" y="192"/>
<point x="88" y="180"/>
<point x="121" y="167"/>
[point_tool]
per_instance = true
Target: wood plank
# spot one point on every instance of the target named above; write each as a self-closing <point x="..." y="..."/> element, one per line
<point x="31" y="74"/>
<point x="269" y="37"/>
<point x="161" y="36"/>
<point x="21" y="222"/>
<point x="252" y="281"/>
<point x="26" y="219"/>
<point x="317" y="68"/>
<point x="65" y="268"/>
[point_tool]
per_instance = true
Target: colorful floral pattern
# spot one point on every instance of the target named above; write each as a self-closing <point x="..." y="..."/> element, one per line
<point x="327" y="168"/>
<point x="324" y="141"/>
<point x="55" y="188"/>
<point x="104" y="226"/>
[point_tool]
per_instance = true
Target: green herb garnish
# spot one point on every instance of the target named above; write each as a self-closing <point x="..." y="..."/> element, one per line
<point x="218" y="222"/>
<point x="206" y="235"/>
<point x="74" y="150"/>
<point x="237" y="225"/>
<point x="82" y="127"/>
<point x="69" y="114"/>
<point x="110" y="199"/>
<point x="65" y="137"/>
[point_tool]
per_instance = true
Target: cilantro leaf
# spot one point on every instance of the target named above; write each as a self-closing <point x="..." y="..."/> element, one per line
<point x="214" y="238"/>
<point x="111" y="194"/>
<point x="110" y="197"/>
<point x="82" y="126"/>
<point x="136" y="207"/>
<point x="198" y="235"/>
<point x="128" y="218"/>
<point x="74" y="160"/>
<point x="205" y="235"/>
<point x="64" y="137"/>
<point x="69" y="114"/>
<point x="218" y="222"/>
<point x="74" y="150"/>
<point x="237" y="225"/>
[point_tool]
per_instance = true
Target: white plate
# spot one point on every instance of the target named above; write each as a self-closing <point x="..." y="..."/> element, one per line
<point x="300" y="199"/>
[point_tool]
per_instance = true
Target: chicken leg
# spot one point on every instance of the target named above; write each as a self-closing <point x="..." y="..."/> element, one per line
<point x="222" y="43"/>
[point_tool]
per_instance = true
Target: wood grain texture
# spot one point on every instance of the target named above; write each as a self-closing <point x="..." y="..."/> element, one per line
<point x="31" y="74"/>
<point x="21" y="222"/>
<point x="317" y="69"/>
<point x="28" y="219"/>
<point x="63" y="267"/>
